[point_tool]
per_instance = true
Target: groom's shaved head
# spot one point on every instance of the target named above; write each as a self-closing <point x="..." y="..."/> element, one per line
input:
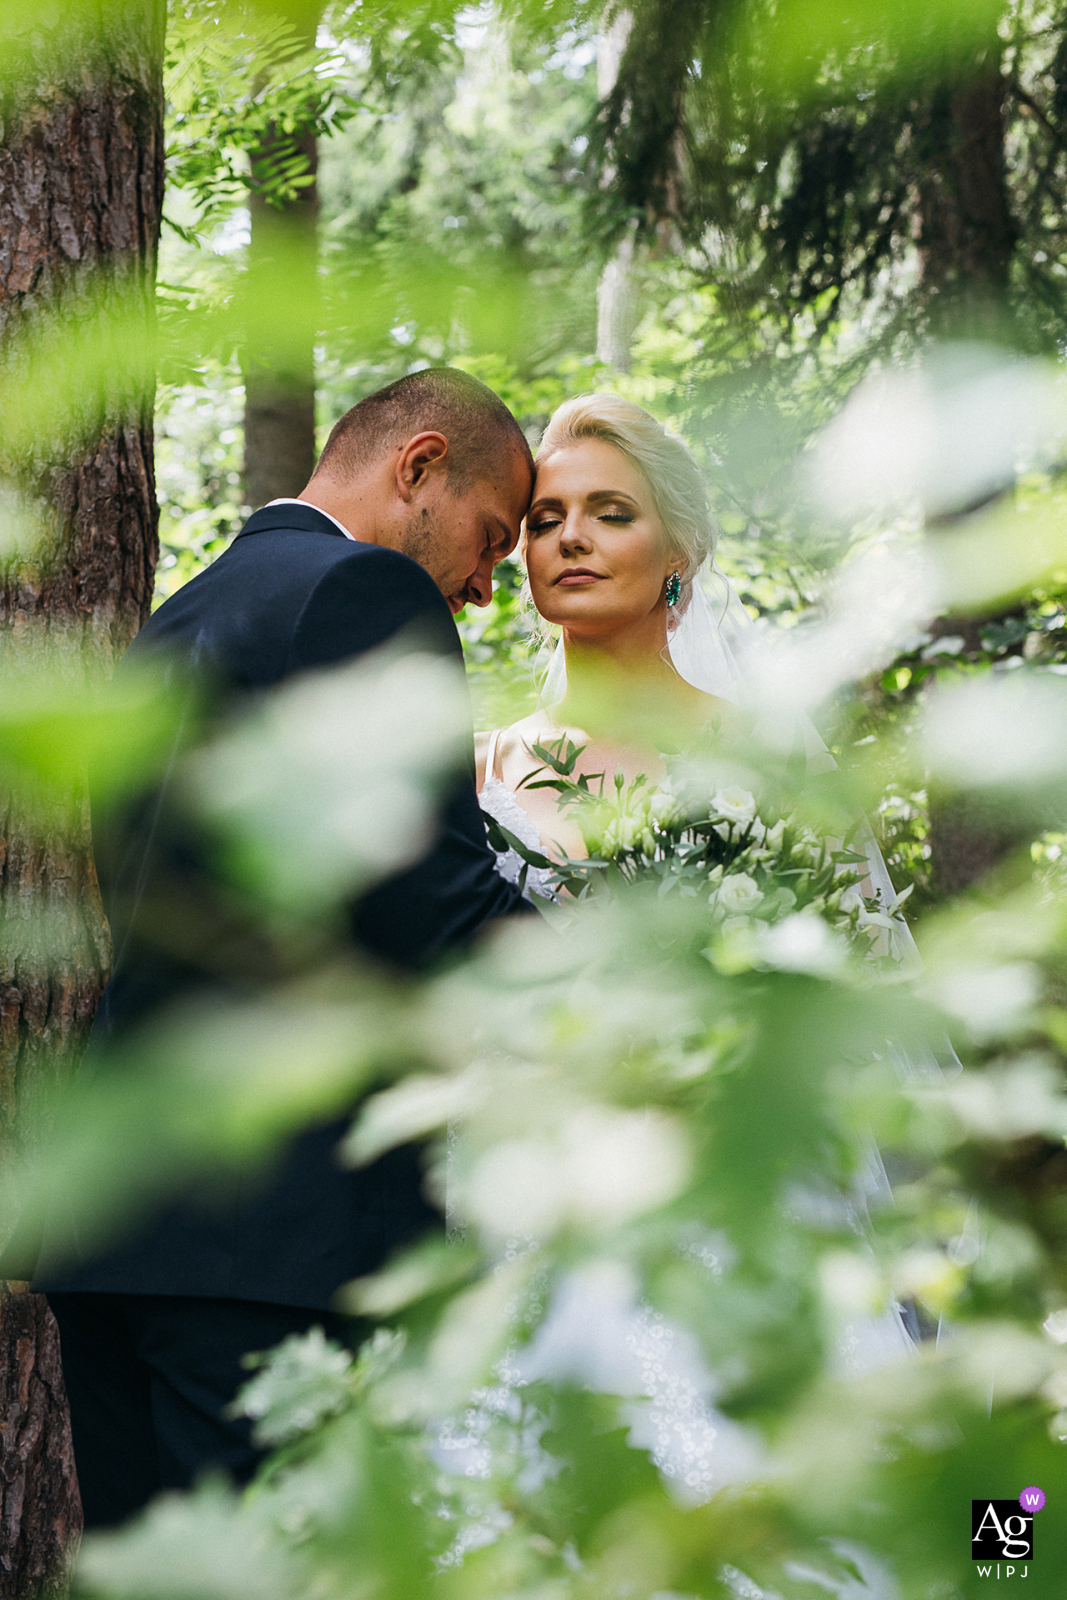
<point x="480" y="430"/>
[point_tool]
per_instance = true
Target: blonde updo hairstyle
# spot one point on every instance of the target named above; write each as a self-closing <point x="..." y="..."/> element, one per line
<point x="664" y="461"/>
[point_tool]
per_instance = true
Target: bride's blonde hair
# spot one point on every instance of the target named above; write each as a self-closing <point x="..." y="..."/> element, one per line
<point x="663" y="459"/>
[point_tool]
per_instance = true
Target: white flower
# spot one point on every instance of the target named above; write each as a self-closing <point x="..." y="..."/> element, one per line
<point x="775" y="837"/>
<point x="663" y="808"/>
<point x="852" y="899"/>
<point x="802" y="943"/>
<point x="629" y="832"/>
<point x="517" y="1187"/>
<point x="620" y="834"/>
<point x="739" y="893"/>
<point x="619" y="1164"/>
<point x="736" y="805"/>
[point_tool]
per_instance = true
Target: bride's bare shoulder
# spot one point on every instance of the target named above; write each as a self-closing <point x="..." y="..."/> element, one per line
<point x="512" y="743"/>
<point x="482" y="742"/>
<point x="538" y="728"/>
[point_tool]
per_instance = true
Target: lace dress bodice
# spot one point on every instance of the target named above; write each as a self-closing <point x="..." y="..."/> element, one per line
<point x="502" y="805"/>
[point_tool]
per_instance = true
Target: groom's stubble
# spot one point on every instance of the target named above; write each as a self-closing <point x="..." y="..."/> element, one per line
<point x="426" y="541"/>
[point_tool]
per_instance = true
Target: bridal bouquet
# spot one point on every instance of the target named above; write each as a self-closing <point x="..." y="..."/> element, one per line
<point x="774" y="886"/>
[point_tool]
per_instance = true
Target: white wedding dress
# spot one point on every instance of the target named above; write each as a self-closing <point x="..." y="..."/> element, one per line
<point x="503" y="806"/>
<point x="607" y="1339"/>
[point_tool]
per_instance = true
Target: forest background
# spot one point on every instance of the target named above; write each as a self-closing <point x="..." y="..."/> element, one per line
<point x="754" y="219"/>
<point x="734" y="254"/>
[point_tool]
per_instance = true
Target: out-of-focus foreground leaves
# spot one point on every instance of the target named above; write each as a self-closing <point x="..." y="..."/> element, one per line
<point x="657" y="1353"/>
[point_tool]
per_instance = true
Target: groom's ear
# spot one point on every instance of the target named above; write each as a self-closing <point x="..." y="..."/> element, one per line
<point x="421" y="459"/>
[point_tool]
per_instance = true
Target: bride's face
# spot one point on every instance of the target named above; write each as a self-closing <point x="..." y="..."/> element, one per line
<point x="596" y="553"/>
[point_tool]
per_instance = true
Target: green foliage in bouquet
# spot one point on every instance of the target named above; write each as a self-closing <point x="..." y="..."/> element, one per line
<point x="756" y="863"/>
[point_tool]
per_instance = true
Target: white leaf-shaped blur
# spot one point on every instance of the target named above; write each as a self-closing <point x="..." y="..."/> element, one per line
<point x="997" y="730"/>
<point x="329" y="785"/>
<point x="940" y="436"/>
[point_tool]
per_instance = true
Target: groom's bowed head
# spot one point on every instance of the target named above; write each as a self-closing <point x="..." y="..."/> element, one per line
<point x="434" y="466"/>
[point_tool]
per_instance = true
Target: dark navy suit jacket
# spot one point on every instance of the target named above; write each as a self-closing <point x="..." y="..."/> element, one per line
<point x="290" y="594"/>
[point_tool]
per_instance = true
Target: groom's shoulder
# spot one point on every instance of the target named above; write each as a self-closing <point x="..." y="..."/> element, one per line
<point x="300" y="545"/>
<point x="292" y="589"/>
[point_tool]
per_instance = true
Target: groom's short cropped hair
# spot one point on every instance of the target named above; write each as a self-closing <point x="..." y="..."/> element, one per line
<point x="480" y="430"/>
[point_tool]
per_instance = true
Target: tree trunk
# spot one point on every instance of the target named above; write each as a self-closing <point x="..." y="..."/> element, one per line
<point x="40" y="1515"/>
<point x="967" y="235"/>
<point x="966" y="229"/>
<point x="616" y="295"/>
<point x="279" y="361"/>
<point x="81" y="181"/>
<point x="282" y="313"/>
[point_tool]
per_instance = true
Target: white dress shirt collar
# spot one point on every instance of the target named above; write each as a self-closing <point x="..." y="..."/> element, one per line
<point x="291" y="500"/>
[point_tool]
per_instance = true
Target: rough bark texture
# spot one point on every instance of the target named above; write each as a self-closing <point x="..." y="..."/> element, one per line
<point x="279" y="363"/>
<point x="81" y="172"/>
<point x="40" y="1515"/>
<point x="81" y="177"/>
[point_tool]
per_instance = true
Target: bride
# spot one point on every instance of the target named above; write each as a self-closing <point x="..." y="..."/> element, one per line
<point x="617" y="531"/>
<point x="619" y="546"/>
<point x="655" y="644"/>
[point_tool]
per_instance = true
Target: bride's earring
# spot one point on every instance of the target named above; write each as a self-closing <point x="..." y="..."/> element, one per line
<point x="674" y="589"/>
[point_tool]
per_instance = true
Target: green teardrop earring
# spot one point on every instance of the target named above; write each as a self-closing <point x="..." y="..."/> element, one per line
<point x="674" y="589"/>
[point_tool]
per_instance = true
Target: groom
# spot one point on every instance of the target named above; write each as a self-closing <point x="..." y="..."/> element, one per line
<point x="420" y="490"/>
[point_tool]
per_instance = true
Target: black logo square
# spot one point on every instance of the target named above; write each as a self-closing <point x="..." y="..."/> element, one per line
<point x="1001" y="1531"/>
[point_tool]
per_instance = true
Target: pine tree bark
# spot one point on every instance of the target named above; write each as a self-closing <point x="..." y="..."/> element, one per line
<point x="81" y="180"/>
<point x="279" y="354"/>
<point x="40" y="1515"/>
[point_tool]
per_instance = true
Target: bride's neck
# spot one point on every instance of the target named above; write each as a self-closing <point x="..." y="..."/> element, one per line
<point x="611" y="684"/>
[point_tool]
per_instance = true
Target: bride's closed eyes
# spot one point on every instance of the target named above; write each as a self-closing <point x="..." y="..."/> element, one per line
<point x="545" y="521"/>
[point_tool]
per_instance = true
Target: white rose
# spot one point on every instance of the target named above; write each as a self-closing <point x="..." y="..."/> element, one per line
<point x="739" y="893"/>
<point x="736" y="805"/>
